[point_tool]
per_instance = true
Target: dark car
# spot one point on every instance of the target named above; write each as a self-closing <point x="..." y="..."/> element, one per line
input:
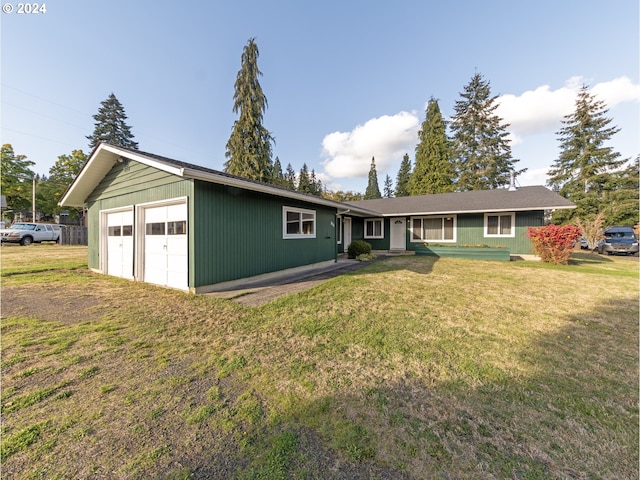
<point x="619" y="240"/>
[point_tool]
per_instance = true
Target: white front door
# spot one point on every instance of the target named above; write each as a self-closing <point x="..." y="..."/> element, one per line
<point x="346" y="232"/>
<point x="166" y="246"/>
<point x="120" y="244"/>
<point x="398" y="234"/>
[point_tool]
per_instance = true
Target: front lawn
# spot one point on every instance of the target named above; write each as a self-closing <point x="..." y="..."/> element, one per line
<point x="412" y="367"/>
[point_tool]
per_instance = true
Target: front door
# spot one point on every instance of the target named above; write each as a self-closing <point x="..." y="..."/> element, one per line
<point x="398" y="234"/>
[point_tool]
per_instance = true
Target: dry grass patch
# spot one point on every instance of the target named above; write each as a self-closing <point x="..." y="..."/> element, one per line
<point x="408" y="368"/>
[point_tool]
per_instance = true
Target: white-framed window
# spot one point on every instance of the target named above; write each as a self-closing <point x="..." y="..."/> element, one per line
<point x="373" y="228"/>
<point x="298" y="223"/>
<point x="500" y="224"/>
<point x="339" y="229"/>
<point x="433" y="229"/>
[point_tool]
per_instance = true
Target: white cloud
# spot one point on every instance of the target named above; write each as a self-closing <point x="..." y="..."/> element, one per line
<point x="387" y="138"/>
<point x="542" y="109"/>
<point x="535" y="176"/>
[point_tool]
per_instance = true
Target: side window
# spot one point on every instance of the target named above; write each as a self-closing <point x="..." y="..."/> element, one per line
<point x="298" y="223"/>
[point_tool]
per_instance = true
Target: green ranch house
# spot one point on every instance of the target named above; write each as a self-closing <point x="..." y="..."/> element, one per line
<point x="170" y="223"/>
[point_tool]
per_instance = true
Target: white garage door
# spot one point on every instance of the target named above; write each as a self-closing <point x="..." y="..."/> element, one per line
<point x="166" y="246"/>
<point x="120" y="244"/>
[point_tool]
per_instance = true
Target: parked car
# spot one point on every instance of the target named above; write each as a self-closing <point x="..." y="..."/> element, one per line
<point x="619" y="240"/>
<point x="28" y="233"/>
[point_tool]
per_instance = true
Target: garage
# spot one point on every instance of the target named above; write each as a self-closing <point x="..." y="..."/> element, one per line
<point x="165" y="245"/>
<point x="119" y="243"/>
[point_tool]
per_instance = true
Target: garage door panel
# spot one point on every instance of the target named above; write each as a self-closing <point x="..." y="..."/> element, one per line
<point x="119" y="243"/>
<point x="166" y="246"/>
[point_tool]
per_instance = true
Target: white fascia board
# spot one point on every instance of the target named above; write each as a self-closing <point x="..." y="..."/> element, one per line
<point x="459" y="212"/>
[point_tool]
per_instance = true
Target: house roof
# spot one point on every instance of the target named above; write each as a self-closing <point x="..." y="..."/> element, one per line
<point x="105" y="155"/>
<point x="478" y="201"/>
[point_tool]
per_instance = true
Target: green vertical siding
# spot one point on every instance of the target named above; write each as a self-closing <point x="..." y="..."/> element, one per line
<point x="239" y="234"/>
<point x="127" y="185"/>
<point x="470" y="231"/>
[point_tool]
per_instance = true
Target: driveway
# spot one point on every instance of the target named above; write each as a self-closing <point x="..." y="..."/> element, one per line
<point x="258" y="292"/>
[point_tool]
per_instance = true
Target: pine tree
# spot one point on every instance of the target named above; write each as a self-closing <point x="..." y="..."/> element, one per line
<point x="249" y="146"/>
<point x="583" y="171"/>
<point x="290" y="178"/>
<point x="482" y="153"/>
<point x="433" y="171"/>
<point x="388" y="187"/>
<point x="110" y="126"/>
<point x="277" y="177"/>
<point x="304" y="182"/>
<point x="403" y="178"/>
<point x="373" y="190"/>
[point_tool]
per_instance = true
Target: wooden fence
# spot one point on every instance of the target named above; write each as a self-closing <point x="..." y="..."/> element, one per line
<point x="73" y="235"/>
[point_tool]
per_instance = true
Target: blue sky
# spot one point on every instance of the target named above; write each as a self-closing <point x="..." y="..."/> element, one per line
<point x="345" y="80"/>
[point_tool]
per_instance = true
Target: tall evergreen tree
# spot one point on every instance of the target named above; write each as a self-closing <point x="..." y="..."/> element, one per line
<point x="620" y="205"/>
<point x="584" y="167"/>
<point x="304" y="181"/>
<point x="110" y="126"/>
<point x="290" y="178"/>
<point x="16" y="180"/>
<point x="249" y="146"/>
<point x="388" y="187"/>
<point x="373" y="190"/>
<point x="433" y="171"/>
<point x="482" y="152"/>
<point x="277" y="177"/>
<point x="403" y="178"/>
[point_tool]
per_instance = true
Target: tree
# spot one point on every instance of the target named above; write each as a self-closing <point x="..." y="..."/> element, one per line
<point x="290" y="178"/>
<point x="592" y="230"/>
<point x="61" y="175"/>
<point x="482" y="153"/>
<point x="16" y="179"/>
<point x="249" y="146"/>
<point x="583" y="172"/>
<point x="304" y="182"/>
<point x="403" y="178"/>
<point x="110" y="126"/>
<point x="277" y="177"/>
<point x="620" y="204"/>
<point x="388" y="187"/>
<point x="373" y="190"/>
<point x="433" y="171"/>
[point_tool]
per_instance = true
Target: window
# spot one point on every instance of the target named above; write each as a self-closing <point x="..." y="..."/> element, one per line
<point x="373" y="228"/>
<point x="177" y="228"/>
<point x="157" y="228"/>
<point x="433" y="229"/>
<point x="499" y="225"/>
<point x="339" y="221"/>
<point x="298" y="223"/>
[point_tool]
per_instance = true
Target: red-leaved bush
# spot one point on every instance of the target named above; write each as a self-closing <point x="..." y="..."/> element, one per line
<point x="554" y="243"/>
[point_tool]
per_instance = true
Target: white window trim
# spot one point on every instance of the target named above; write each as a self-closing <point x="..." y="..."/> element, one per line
<point x="286" y="235"/>
<point x="367" y="220"/>
<point x="339" y="230"/>
<point x="500" y="214"/>
<point x="455" y="228"/>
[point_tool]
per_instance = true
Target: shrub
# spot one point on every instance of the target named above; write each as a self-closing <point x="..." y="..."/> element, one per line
<point x="358" y="247"/>
<point x="592" y="230"/>
<point x="554" y="243"/>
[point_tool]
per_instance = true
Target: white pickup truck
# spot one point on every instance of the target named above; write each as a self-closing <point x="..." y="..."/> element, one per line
<point x="28" y="233"/>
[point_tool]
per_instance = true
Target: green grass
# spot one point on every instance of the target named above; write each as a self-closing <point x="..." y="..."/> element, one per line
<point x="411" y="367"/>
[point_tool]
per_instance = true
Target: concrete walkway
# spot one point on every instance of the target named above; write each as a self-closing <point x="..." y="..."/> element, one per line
<point x="258" y="292"/>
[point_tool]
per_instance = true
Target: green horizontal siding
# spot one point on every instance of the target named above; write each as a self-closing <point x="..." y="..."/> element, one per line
<point x="239" y="234"/>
